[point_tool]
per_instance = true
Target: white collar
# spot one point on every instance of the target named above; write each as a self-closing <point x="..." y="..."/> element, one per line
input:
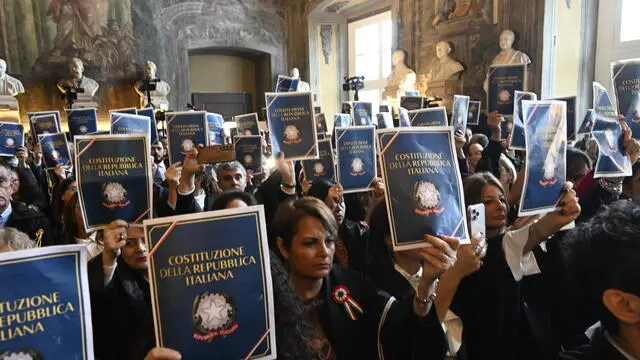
<point x="6" y="213"/>
<point x="615" y="344"/>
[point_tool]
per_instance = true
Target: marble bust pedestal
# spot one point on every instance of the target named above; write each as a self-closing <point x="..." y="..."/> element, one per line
<point x="9" y="109"/>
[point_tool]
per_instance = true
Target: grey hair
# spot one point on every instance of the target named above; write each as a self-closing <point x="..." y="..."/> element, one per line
<point x="15" y="239"/>
<point x="232" y="165"/>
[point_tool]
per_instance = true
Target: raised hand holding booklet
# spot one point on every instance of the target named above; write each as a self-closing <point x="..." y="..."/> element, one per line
<point x="292" y="126"/>
<point x="362" y="113"/>
<point x="31" y="115"/>
<point x="504" y="80"/>
<point x="215" y="122"/>
<point x="518" y="140"/>
<point x="322" y="168"/>
<point x="11" y="138"/>
<point x="122" y="123"/>
<point x="82" y="121"/>
<point x="435" y="116"/>
<point x="45" y="310"/>
<point x="626" y="85"/>
<point x="474" y="113"/>
<point x="460" y="113"/>
<point x="607" y="131"/>
<point x="546" y="140"/>
<point x="247" y="124"/>
<point x="286" y="84"/>
<point x="114" y="179"/>
<point x="210" y="281"/>
<point x="423" y="185"/>
<point x="249" y="152"/>
<point x="45" y="124"/>
<point x="356" y="158"/>
<point x="385" y="120"/>
<point x="185" y="131"/>
<point x="587" y="123"/>
<point x="55" y="150"/>
<point x="148" y="112"/>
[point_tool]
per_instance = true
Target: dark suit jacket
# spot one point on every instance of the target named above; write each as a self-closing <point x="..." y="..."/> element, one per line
<point x="598" y="349"/>
<point x="31" y="222"/>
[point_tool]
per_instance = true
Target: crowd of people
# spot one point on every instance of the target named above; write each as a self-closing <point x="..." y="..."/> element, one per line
<point x="530" y="288"/>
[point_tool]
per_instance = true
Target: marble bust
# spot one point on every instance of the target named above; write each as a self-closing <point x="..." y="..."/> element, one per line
<point x="445" y="68"/>
<point x="303" y="86"/>
<point x="159" y="95"/>
<point x="78" y="80"/>
<point x="401" y="79"/>
<point x="9" y="86"/>
<point x="508" y="55"/>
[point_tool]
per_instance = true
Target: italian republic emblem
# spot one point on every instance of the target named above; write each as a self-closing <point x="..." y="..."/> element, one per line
<point x="214" y="314"/>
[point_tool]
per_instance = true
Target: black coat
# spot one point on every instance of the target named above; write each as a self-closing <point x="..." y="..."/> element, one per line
<point x="121" y="313"/>
<point x="401" y="333"/>
<point x="598" y="349"/>
<point x="355" y="236"/>
<point x="31" y="222"/>
<point x="494" y="312"/>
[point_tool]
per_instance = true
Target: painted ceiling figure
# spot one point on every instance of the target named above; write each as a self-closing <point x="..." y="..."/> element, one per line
<point x="444" y="10"/>
<point x="78" y="23"/>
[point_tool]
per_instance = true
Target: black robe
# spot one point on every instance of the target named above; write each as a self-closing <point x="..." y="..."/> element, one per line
<point x="598" y="349"/>
<point x="385" y="321"/>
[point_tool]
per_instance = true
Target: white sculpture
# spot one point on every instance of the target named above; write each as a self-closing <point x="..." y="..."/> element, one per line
<point x="303" y="86"/>
<point x="446" y="68"/>
<point x="9" y="85"/>
<point x="79" y="81"/>
<point x="159" y="95"/>
<point x="508" y="55"/>
<point x="402" y="78"/>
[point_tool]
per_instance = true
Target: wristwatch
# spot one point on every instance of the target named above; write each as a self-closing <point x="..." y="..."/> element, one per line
<point x="288" y="186"/>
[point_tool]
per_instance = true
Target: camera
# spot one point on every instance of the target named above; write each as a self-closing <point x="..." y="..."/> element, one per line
<point x="149" y="85"/>
<point x="353" y="83"/>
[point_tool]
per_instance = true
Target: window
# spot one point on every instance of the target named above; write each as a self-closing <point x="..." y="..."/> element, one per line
<point x="629" y="30"/>
<point x="370" y="48"/>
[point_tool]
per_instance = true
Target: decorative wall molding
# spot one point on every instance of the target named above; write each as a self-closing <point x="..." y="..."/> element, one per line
<point x="326" y="35"/>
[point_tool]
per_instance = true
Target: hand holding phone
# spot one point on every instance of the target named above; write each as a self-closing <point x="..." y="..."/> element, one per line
<point x="476" y="219"/>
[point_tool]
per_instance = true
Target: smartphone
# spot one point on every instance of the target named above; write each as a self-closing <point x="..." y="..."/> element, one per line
<point x="476" y="219"/>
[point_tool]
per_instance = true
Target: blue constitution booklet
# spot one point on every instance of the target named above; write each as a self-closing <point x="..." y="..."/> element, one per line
<point x="626" y="86"/>
<point x="82" y="121"/>
<point x="403" y="117"/>
<point x="572" y="116"/>
<point x="341" y="120"/>
<point x="424" y="192"/>
<point x="412" y="102"/>
<point x="31" y="115"/>
<point x="55" y="150"/>
<point x="148" y="112"/>
<point x="474" y="113"/>
<point x="46" y="313"/>
<point x="215" y="122"/>
<point x="384" y="120"/>
<point x="292" y="127"/>
<point x="11" y="138"/>
<point x="518" y="140"/>
<point x="356" y="158"/>
<point x="185" y="131"/>
<point x="322" y="168"/>
<point x="607" y="131"/>
<point x="362" y="113"/>
<point x="114" y="179"/>
<point x="587" y="123"/>
<point x="247" y="124"/>
<point x="130" y="111"/>
<point x="434" y="116"/>
<point x="504" y="80"/>
<point x="122" y="123"/>
<point x="286" y="84"/>
<point x="460" y="113"/>
<point x="249" y="152"/>
<point x="546" y="134"/>
<point x="210" y="280"/>
<point x="321" y="124"/>
<point x="45" y="124"/>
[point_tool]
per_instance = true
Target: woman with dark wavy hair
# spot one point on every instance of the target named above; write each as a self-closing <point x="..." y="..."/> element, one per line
<point x="336" y="313"/>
